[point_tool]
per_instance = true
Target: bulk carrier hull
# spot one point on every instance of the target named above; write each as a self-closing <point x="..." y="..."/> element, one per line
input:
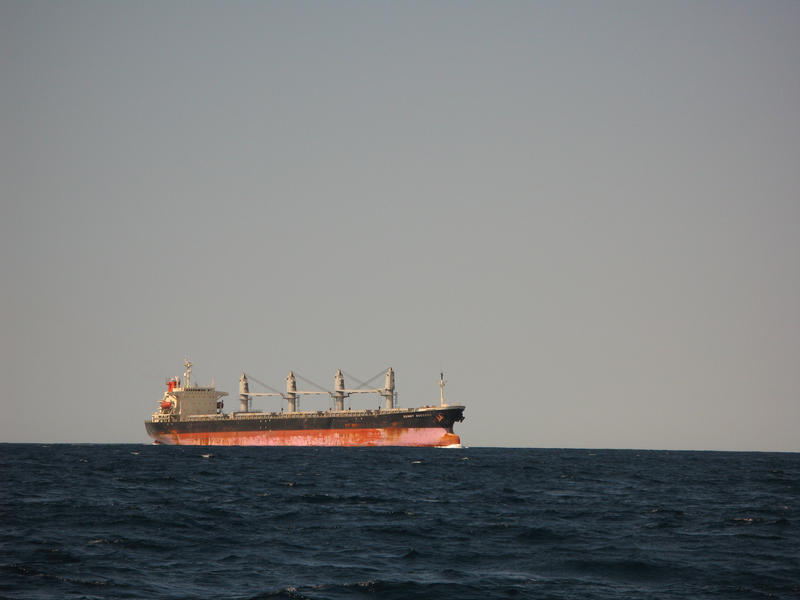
<point x="192" y="415"/>
<point x="412" y="427"/>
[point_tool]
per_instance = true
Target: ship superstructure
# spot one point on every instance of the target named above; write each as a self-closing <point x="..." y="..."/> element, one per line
<point x="193" y="414"/>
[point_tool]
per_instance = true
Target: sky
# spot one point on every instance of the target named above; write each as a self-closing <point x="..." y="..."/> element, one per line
<point x="587" y="214"/>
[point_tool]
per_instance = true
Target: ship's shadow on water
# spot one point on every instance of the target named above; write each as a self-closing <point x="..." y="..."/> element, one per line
<point x="130" y="521"/>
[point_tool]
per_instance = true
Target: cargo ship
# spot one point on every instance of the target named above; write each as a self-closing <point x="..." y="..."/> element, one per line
<point x="192" y="414"/>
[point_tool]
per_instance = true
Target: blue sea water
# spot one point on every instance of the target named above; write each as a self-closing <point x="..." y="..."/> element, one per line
<point x="135" y="521"/>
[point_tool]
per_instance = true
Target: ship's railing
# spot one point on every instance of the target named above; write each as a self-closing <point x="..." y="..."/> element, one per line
<point x="327" y="413"/>
<point x="310" y="413"/>
<point x="162" y="418"/>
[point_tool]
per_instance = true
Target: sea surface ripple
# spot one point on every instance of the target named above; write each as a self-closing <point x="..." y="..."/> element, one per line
<point x="135" y="521"/>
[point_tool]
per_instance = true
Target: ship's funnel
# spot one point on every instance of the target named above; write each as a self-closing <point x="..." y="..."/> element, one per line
<point x="244" y="390"/>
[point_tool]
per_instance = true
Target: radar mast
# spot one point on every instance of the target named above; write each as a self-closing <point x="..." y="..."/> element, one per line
<point x="188" y="375"/>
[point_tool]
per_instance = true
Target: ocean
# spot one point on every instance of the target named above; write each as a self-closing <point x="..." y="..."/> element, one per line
<point x="142" y="521"/>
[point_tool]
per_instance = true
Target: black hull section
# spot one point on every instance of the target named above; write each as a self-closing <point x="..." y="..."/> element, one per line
<point x="439" y="418"/>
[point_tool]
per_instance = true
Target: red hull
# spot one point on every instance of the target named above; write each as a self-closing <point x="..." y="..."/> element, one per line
<point x="426" y="436"/>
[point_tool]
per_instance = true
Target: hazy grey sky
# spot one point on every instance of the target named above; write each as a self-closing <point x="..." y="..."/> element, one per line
<point x="586" y="213"/>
